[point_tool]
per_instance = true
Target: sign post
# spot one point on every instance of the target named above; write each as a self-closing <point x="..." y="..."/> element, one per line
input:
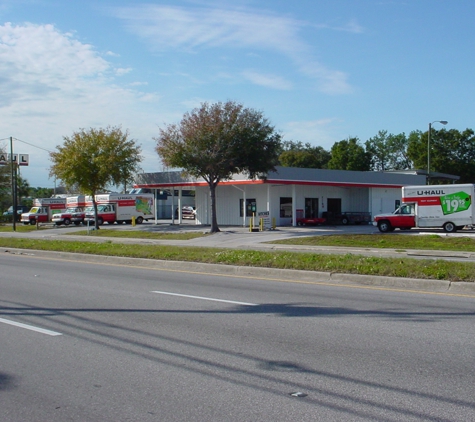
<point x="14" y="160"/>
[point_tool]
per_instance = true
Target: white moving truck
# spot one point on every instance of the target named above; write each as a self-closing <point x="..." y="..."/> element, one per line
<point x="121" y="208"/>
<point x="439" y="206"/>
<point x="74" y="213"/>
<point x="43" y="210"/>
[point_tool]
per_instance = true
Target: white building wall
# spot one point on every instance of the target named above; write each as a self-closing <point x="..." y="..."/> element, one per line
<point x="373" y="200"/>
<point x="383" y="200"/>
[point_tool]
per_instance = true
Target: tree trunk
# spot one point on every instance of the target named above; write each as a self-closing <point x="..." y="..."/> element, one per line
<point x="214" y="218"/>
<point x="94" y="204"/>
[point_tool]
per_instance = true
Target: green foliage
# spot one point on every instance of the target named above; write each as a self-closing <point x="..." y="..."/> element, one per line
<point x="216" y="141"/>
<point x="349" y="155"/>
<point x="452" y="152"/>
<point x="95" y="158"/>
<point x="296" y="154"/>
<point x="388" y="151"/>
<point x="39" y="192"/>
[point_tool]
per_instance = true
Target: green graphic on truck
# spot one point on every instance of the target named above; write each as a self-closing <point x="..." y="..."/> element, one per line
<point x="143" y="205"/>
<point x="455" y="202"/>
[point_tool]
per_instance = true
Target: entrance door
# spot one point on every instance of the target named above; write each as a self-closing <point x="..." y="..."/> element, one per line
<point x="334" y="205"/>
<point x="311" y="207"/>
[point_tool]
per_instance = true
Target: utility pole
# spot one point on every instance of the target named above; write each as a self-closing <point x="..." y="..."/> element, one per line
<point x="14" y="196"/>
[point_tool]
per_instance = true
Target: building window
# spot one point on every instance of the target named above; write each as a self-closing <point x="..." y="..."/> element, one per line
<point x="286" y="207"/>
<point x="250" y="207"/>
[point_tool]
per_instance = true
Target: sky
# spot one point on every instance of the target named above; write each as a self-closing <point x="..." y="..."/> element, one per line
<point x="321" y="71"/>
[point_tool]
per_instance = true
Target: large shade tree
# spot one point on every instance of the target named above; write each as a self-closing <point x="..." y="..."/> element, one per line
<point x="94" y="159"/>
<point x="216" y="141"/>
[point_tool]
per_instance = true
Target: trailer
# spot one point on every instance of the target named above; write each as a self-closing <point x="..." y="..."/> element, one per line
<point x="120" y="208"/>
<point x="43" y="210"/>
<point x="431" y="206"/>
<point x="349" y="217"/>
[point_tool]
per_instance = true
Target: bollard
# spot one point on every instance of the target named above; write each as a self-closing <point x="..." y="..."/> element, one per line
<point x="133" y="221"/>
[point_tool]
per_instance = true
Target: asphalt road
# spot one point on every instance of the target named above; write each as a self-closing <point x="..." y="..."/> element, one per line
<point x="130" y="343"/>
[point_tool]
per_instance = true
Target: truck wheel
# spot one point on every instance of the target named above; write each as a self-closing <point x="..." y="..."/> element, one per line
<point x="139" y="220"/>
<point x="32" y="222"/>
<point x="299" y="223"/>
<point x="67" y="221"/>
<point x="345" y="220"/>
<point x="384" y="226"/>
<point x="450" y="227"/>
<point x="100" y="221"/>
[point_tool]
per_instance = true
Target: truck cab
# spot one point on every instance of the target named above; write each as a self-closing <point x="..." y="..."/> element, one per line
<point x="36" y="214"/>
<point x="403" y="218"/>
<point x="71" y="215"/>
<point x="106" y="213"/>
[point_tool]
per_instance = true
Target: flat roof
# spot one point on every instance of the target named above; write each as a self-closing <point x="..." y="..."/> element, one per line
<point x="288" y="176"/>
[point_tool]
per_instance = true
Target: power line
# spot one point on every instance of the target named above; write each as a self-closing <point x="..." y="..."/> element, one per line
<point x="28" y="143"/>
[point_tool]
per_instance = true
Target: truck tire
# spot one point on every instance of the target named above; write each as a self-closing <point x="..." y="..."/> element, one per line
<point x="139" y="220"/>
<point x="67" y="221"/>
<point x="384" y="226"/>
<point x="450" y="227"/>
<point x="345" y="220"/>
<point x="100" y="221"/>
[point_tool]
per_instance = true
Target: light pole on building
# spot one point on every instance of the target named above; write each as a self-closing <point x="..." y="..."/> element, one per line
<point x="444" y="122"/>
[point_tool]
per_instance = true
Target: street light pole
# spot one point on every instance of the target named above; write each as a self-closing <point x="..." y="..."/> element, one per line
<point x="444" y="122"/>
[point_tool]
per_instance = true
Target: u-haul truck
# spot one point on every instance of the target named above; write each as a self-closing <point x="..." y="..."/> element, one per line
<point x="43" y="210"/>
<point x="74" y="212"/>
<point x="439" y="206"/>
<point x="120" y="208"/>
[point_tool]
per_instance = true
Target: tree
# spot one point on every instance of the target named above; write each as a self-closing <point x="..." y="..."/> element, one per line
<point x="452" y="152"/>
<point x="22" y="188"/>
<point x="93" y="159"/>
<point x="349" y="155"/>
<point x="388" y="151"/>
<point x="296" y="154"/>
<point x="216" y="141"/>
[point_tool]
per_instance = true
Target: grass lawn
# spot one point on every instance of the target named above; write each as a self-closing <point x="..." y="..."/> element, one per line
<point x="348" y="263"/>
<point x="391" y="241"/>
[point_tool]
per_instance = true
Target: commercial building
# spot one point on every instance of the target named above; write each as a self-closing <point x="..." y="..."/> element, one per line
<point x="285" y="194"/>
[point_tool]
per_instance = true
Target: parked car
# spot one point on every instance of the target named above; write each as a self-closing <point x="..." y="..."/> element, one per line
<point x="19" y="210"/>
<point x="186" y="212"/>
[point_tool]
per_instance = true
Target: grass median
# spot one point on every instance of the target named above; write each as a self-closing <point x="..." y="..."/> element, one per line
<point x="347" y="263"/>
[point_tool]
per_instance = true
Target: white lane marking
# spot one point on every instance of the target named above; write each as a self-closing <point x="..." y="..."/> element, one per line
<point x="30" y="327"/>
<point x="206" y="298"/>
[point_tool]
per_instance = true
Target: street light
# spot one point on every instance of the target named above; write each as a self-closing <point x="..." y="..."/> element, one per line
<point x="444" y="122"/>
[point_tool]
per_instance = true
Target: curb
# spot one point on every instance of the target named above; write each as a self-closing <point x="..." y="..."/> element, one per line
<point x="274" y="274"/>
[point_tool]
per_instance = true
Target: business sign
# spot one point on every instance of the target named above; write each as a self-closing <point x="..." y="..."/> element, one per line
<point x="20" y="159"/>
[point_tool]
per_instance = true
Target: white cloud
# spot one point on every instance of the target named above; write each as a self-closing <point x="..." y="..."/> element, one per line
<point x="168" y="28"/>
<point x="269" y="81"/>
<point x="51" y="85"/>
